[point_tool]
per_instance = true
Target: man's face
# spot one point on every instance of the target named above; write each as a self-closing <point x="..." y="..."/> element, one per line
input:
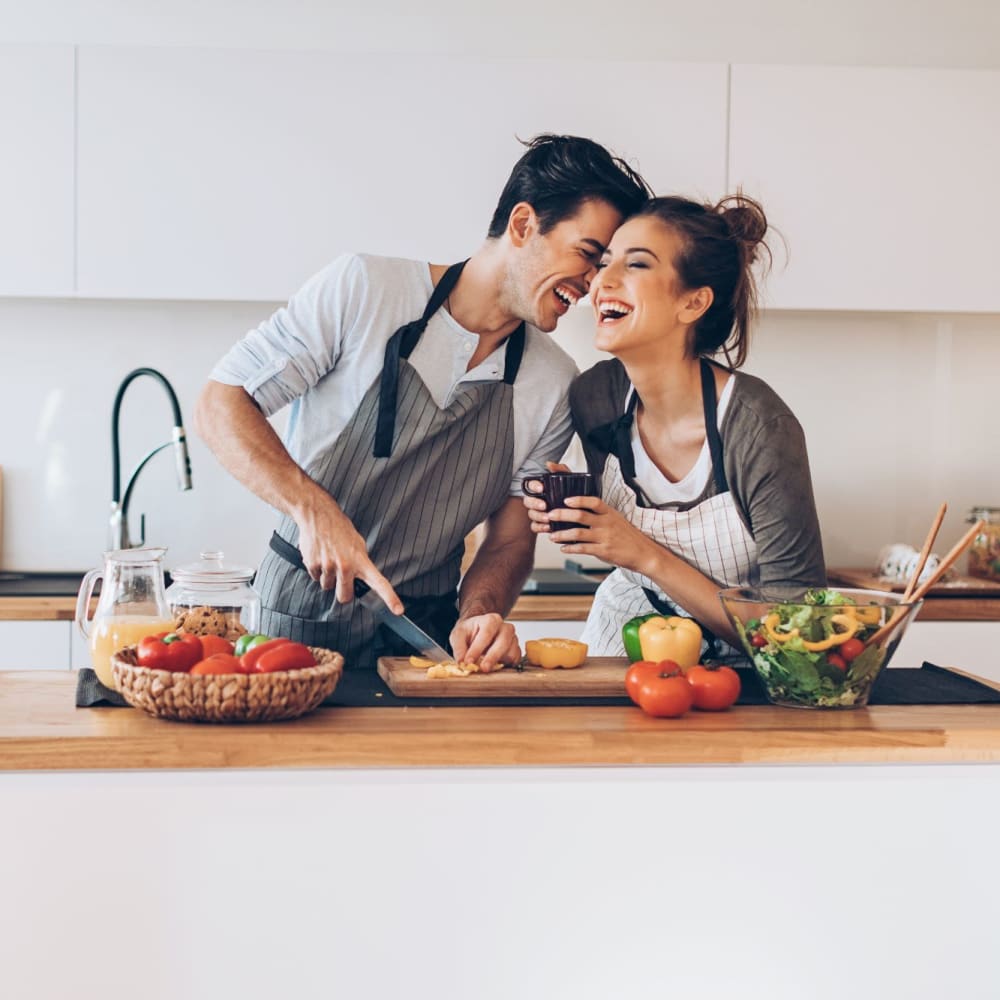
<point x="555" y="270"/>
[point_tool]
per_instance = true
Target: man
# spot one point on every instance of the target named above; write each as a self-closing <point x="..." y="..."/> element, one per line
<point x="421" y="397"/>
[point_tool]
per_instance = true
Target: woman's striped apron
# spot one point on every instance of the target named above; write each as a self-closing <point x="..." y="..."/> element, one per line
<point x="710" y="536"/>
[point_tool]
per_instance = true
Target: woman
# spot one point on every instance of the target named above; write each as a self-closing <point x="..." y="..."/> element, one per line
<point x="704" y="473"/>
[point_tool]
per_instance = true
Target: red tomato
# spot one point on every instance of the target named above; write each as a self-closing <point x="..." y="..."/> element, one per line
<point x="212" y="644"/>
<point x="251" y="656"/>
<point x="638" y="672"/>
<point x="665" y="694"/>
<point x="287" y="656"/>
<point x="715" y="688"/>
<point x="218" y="663"/>
<point x="757" y="640"/>
<point x="836" y="661"/>
<point x="851" y="649"/>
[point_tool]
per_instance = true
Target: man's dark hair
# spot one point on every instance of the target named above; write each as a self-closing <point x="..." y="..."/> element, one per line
<point x="559" y="173"/>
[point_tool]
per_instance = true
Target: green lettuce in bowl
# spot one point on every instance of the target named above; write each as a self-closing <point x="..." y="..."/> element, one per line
<point x="821" y="649"/>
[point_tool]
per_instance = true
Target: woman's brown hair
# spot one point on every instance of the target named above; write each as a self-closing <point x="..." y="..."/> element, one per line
<point x="719" y="245"/>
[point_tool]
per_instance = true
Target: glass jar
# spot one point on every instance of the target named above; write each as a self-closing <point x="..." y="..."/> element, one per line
<point x="216" y="597"/>
<point x="984" y="553"/>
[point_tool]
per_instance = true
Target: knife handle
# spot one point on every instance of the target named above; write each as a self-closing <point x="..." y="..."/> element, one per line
<point x="360" y="588"/>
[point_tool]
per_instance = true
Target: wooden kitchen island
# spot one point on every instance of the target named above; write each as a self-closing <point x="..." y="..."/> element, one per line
<point x="496" y="853"/>
<point x="41" y="730"/>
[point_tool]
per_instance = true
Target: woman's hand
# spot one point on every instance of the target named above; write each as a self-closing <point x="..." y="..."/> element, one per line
<point x="537" y="513"/>
<point x="610" y="536"/>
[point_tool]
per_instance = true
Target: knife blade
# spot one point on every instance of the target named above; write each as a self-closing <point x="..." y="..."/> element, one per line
<point x="407" y="630"/>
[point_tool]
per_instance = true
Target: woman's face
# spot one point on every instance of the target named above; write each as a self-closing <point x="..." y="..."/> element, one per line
<point x="636" y="294"/>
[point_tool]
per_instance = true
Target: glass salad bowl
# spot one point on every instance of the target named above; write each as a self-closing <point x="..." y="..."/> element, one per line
<point x="821" y="649"/>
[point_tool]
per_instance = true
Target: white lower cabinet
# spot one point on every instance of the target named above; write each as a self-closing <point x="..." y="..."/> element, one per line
<point x="34" y="645"/>
<point x="970" y="646"/>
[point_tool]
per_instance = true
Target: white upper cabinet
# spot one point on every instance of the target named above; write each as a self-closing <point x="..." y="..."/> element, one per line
<point x="36" y="170"/>
<point x="236" y="175"/>
<point x="883" y="182"/>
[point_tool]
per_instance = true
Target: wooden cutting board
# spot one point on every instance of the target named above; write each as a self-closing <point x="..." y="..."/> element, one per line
<point x="959" y="586"/>
<point x="600" y="677"/>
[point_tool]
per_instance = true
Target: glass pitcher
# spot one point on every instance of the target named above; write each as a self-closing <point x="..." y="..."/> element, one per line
<point x="133" y="603"/>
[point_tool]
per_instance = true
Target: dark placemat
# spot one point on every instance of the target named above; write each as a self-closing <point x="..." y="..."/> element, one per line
<point x="928" y="685"/>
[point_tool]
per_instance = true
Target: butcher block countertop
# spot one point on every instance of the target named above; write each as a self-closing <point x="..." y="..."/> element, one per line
<point x="40" y="729"/>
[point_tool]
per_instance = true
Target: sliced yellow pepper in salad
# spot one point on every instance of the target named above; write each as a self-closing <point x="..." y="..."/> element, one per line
<point x="848" y="622"/>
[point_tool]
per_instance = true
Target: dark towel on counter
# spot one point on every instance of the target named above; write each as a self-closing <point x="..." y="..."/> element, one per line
<point x="928" y="685"/>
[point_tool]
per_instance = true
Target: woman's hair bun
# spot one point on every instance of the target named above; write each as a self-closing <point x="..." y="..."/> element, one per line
<point x="744" y="217"/>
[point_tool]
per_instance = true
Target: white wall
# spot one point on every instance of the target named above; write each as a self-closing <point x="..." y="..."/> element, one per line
<point x="891" y="403"/>
<point x="843" y="32"/>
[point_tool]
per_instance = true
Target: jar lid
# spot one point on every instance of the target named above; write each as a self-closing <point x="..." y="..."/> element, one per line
<point x="212" y="568"/>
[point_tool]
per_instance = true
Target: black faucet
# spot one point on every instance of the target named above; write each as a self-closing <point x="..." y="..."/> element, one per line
<point x="119" y="504"/>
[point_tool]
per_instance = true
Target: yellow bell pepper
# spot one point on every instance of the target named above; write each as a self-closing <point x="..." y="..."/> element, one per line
<point x="553" y="653"/>
<point x="673" y="638"/>
<point x="847" y="621"/>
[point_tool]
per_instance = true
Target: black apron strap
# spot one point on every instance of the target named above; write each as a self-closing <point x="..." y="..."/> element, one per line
<point x="711" y="406"/>
<point x="513" y="355"/>
<point x="401" y="345"/>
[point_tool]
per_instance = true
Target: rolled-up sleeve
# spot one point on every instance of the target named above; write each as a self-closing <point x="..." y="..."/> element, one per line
<point x="290" y="352"/>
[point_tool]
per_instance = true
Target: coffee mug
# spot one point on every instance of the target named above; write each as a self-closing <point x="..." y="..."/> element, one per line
<point x="556" y="488"/>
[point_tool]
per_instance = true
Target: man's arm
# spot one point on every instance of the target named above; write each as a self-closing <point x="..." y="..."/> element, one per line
<point x="230" y="423"/>
<point x="491" y="586"/>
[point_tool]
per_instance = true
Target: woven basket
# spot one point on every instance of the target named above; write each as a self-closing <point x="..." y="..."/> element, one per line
<point x="284" y="694"/>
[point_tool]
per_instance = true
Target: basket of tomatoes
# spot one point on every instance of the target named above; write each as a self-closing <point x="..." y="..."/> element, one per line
<point x="207" y="678"/>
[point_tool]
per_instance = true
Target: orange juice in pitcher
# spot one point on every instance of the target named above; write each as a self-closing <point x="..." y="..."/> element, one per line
<point x="132" y="604"/>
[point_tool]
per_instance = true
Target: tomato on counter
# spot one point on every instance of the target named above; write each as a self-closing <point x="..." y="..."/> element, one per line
<point x="715" y="688"/>
<point x="639" y="671"/>
<point x="665" y="693"/>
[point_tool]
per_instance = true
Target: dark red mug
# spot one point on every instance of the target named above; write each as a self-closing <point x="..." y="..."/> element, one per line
<point x="558" y="487"/>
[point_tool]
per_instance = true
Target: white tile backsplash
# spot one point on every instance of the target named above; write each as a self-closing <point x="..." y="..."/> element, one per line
<point x="898" y="411"/>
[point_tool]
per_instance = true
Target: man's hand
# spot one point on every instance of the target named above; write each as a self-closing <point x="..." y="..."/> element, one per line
<point x="334" y="554"/>
<point x="485" y="639"/>
<point x="604" y="533"/>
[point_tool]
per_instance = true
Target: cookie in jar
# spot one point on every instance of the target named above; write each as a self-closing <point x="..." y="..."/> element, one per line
<point x="214" y="597"/>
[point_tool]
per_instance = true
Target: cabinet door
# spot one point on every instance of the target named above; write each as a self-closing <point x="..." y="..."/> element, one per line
<point x="233" y="174"/>
<point x="34" y="645"/>
<point x="36" y="170"/>
<point x="883" y="182"/>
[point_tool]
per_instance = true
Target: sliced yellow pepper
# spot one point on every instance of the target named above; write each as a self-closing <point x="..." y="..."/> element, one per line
<point x="771" y="624"/>
<point x="850" y="625"/>
<point x="553" y="653"/>
<point x="847" y="621"/>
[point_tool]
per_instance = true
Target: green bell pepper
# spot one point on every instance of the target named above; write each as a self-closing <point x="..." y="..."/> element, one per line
<point x="630" y="636"/>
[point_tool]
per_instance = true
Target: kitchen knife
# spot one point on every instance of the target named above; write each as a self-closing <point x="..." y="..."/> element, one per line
<point x="407" y="630"/>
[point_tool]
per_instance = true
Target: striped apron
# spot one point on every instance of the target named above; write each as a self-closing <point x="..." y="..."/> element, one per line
<point x="414" y="479"/>
<point x="710" y="536"/>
